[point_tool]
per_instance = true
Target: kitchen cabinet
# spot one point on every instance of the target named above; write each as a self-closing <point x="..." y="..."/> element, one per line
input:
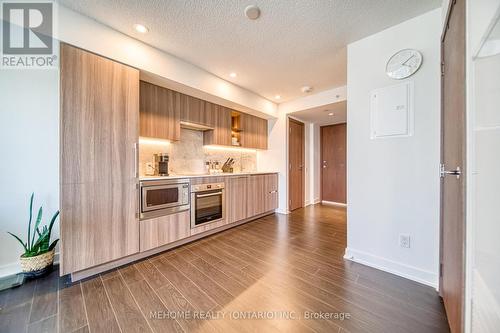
<point x="271" y="192"/>
<point x="99" y="138"/>
<point x="219" y="118"/>
<point x="160" y="112"/>
<point x="193" y="110"/>
<point x="256" y="189"/>
<point x="164" y="230"/>
<point x="254" y="132"/>
<point x="262" y="193"/>
<point x="236" y="194"/>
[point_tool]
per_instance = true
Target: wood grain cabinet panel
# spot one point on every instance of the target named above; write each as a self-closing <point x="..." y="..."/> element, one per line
<point x="254" y="132"/>
<point x="99" y="136"/>
<point x="256" y="188"/>
<point x="192" y="110"/>
<point x="236" y="194"/>
<point x="271" y="192"/>
<point x="164" y="230"/>
<point x="219" y="118"/>
<point x="160" y="111"/>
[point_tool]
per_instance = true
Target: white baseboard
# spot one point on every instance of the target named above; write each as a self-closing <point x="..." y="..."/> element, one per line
<point x="15" y="267"/>
<point x="393" y="267"/>
<point x="316" y="201"/>
<point x="332" y="203"/>
<point x="282" y="211"/>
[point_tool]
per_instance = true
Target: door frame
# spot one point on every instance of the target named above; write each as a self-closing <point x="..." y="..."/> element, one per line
<point x="466" y="174"/>
<point x="290" y="119"/>
<point x="320" y="166"/>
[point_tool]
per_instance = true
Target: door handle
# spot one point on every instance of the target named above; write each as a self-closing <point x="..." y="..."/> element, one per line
<point x="324" y="165"/>
<point x="457" y="172"/>
<point x="208" y="195"/>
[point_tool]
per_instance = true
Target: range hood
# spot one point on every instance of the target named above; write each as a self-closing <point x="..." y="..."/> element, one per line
<point x="195" y="126"/>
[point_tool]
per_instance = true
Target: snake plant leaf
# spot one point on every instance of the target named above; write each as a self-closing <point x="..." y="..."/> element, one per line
<point x="37" y="223"/>
<point x="53" y="245"/>
<point x="31" y="217"/>
<point x="20" y="241"/>
<point x="52" y="221"/>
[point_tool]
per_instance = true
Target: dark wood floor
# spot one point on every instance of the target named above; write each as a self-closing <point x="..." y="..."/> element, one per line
<point x="276" y="270"/>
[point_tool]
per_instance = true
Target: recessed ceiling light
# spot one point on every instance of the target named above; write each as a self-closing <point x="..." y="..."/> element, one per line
<point x="252" y="12"/>
<point x="233" y="74"/>
<point x="330" y="114"/>
<point x="277" y="96"/>
<point x="140" y="28"/>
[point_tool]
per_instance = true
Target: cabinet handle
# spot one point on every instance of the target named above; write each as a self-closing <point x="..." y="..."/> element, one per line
<point x="274" y="191"/>
<point x="136" y="159"/>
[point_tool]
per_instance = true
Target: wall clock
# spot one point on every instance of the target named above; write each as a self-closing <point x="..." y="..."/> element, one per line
<point x="403" y="64"/>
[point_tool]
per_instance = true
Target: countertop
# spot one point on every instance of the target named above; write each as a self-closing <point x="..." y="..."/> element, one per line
<point x="206" y="175"/>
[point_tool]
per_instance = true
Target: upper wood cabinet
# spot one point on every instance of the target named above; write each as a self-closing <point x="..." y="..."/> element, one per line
<point x="254" y="131"/>
<point x="219" y="118"/>
<point x="99" y="137"/>
<point x="160" y="112"/>
<point x="192" y="110"/>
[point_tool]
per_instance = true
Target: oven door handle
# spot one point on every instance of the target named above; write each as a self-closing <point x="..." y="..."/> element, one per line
<point x="208" y="195"/>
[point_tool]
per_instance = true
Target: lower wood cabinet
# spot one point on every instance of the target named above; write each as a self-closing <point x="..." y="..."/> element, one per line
<point x="262" y="192"/>
<point x="164" y="230"/>
<point x="236" y="202"/>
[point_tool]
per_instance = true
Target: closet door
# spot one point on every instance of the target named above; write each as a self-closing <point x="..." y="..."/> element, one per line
<point x="99" y="137"/>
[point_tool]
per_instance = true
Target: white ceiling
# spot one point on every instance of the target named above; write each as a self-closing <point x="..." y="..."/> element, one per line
<point x="294" y="42"/>
<point x="320" y="115"/>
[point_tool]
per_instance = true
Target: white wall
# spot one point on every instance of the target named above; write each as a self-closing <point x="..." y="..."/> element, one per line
<point x="29" y="150"/>
<point x="393" y="184"/>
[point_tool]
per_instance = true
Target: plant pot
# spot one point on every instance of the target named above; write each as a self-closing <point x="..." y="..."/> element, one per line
<point x="39" y="265"/>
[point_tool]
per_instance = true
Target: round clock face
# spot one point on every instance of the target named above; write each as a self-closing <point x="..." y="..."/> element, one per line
<point x="403" y="64"/>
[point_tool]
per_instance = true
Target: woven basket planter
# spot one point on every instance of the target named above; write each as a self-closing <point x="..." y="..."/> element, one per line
<point x="38" y="265"/>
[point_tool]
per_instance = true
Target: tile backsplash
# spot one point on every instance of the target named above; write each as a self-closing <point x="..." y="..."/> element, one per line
<point x="188" y="156"/>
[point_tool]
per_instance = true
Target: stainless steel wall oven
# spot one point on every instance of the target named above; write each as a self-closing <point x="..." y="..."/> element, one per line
<point x="207" y="204"/>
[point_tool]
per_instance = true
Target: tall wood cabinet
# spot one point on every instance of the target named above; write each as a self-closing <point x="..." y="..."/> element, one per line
<point x="99" y="136"/>
<point x="160" y="112"/>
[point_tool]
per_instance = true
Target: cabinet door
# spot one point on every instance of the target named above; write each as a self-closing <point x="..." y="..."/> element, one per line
<point x="192" y="109"/>
<point x="99" y="135"/>
<point x="219" y="118"/>
<point x="256" y="190"/>
<point x="254" y="132"/>
<point x="164" y="230"/>
<point x="160" y="111"/>
<point x="236" y="203"/>
<point x="271" y="192"/>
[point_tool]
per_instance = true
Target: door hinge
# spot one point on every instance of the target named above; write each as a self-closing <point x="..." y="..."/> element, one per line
<point x="442" y="69"/>
<point x="441" y="270"/>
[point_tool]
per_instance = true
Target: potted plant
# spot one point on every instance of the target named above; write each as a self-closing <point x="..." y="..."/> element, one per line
<point x="38" y="256"/>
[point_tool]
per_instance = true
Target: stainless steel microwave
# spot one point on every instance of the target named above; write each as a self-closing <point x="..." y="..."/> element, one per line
<point x="163" y="197"/>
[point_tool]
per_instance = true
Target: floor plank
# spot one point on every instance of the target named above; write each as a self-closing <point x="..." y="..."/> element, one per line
<point x="100" y="315"/>
<point x="128" y="314"/>
<point x="45" y="297"/>
<point x="71" y="308"/>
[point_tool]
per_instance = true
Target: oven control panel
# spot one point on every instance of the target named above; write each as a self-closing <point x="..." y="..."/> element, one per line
<point x="207" y="187"/>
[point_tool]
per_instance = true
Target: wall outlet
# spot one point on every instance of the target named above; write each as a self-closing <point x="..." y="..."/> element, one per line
<point x="404" y="241"/>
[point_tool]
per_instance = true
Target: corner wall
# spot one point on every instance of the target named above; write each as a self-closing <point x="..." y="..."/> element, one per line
<point x="393" y="184"/>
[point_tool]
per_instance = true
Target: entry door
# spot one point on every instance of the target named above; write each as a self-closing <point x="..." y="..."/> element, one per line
<point x="453" y="166"/>
<point x="333" y="163"/>
<point x="296" y="164"/>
